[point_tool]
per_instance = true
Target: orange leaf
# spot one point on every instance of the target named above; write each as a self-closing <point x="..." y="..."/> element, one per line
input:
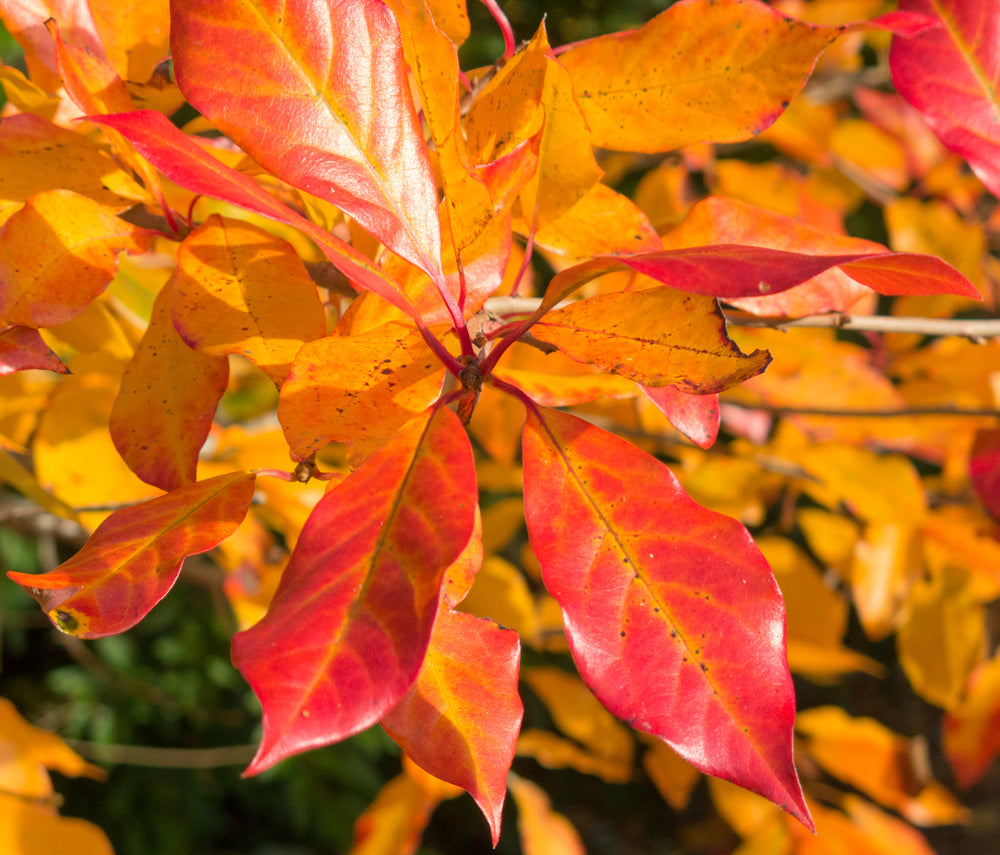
<point x="133" y="559"/>
<point x="318" y="95"/>
<point x="695" y="416"/>
<point x="38" y="155"/>
<point x="657" y="592"/>
<point x="647" y="336"/>
<point x="461" y="717"/>
<point x="57" y="254"/>
<point x="136" y="37"/>
<point x="346" y="387"/>
<point x="671" y="82"/>
<point x="226" y="300"/>
<point x="166" y="403"/>
<point x="972" y="729"/>
<point x="347" y="630"/>
<point x="394" y="823"/>
<point x="543" y="830"/>
<point x="863" y="753"/>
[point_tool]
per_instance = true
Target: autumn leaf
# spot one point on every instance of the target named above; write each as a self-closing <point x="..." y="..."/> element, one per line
<point x="225" y="300"/>
<point x="318" y="95"/>
<point x="133" y="559"/>
<point x="646" y="336"/>
<point x="182" y="160"/>
<point x="653" y="608"/>
<point x="348" y="387"/>
<point x="347" y="630"/>
<point x="948" y="72"/>
<point x="984" y="470"/>
<point x="670" y="83"/>
<point x="57" y="254"/>
<point x="166" y="403"/>
<point x="22" y="348"/>
<point x="461" y="718"/>
<point x="970" y="730"/>
<point x="694" y="415"/>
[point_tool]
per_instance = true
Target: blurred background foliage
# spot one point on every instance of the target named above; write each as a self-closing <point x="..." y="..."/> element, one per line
<point x="133" y="703"/>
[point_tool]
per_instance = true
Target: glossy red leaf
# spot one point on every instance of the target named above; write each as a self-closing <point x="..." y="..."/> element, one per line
<point x="317" y="93"/>
<point x="461" y="718"/>
<point x="730" y="271"/>
<point x="672" y="614"/>
<point x="135" y="556"/>
<point x="984" y="470"/>
<point x="346" y="632"/>
<point x="951" y="73"/>
<point x="695" y="416"/>
<point x="183" y="161"/>
<point x="166" y="403"/>
<point x="22" y="348"/>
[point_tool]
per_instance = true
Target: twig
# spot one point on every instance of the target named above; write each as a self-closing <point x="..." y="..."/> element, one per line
<point x="975" y="330"/>
<point x="164" y="758"/>
<point x="903" y="412"/>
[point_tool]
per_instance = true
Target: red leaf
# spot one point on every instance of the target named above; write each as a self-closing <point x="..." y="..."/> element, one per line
<point x="460" y="719"/>
<point x="949" y="72"/>
<point x="671" y="613"/>
<point x="348" y="627"/>
<point x="695" y="416"/>
<point x="984" y="470"/>
<point x="134" y="557"/>
<point x="22" y="348"/>
<point x="317" y="93"/>
<point x="168" y="397"/>
<point x="730" y="271"/>
<point x="183" y="161"/>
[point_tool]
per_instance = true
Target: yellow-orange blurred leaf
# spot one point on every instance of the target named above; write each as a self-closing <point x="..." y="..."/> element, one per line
<point x="496" y="425"/>
<point x="670" y="773"/>
<point x="962" y="538"/>
<point x="646" y="336"/>
<point x="57" y="254"/>
<point x="860" y="145"/>
<point x="394" y="823"/>
<point x="671" y="82"/>
<point x="943" y="637"/>
<point x="578" y="714"/>
<point x="28" y="828"/>
<point x="745" y="812"/>
<point x="815" y="615"/>
<point x="886" y="564"/>
<point x="344" y="388"/>
<point x="241" y="290"/>
<point x="543" y="831"/>
<point x="865" y="754"/>
<point x="890" y="835"/>
<point x="27" y="95"/>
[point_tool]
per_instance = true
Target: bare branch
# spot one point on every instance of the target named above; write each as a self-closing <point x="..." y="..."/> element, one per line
<point x="164" y="758"/>
<point x="975" y="330"/>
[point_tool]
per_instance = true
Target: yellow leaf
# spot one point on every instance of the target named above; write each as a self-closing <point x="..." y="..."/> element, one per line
<point x="501" y="593"/>
<point x="943" y="637"/>
<point x="543" y="830"/>
<point x="671" y="82"/>
<point x="362" y="386"/>
<point x="860" y="145"/>
<point x="886" y="563"/>
<point x="226" y="301"/>
<point x="646" y="336"/>
<point x="578" y="714"/>
<point x="670" y="773"/>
